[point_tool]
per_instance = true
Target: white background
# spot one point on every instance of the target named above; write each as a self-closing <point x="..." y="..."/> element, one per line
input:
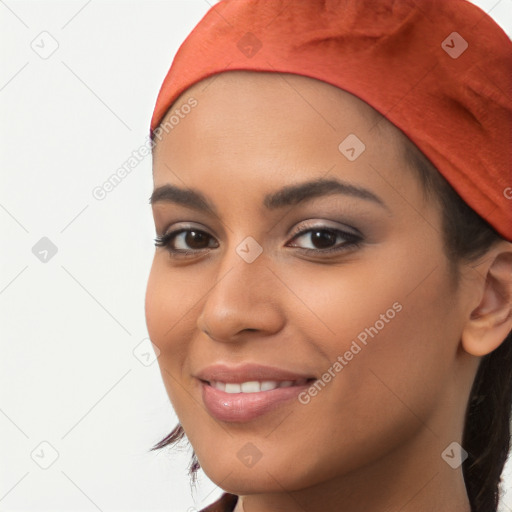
<point x="69" y="327"/>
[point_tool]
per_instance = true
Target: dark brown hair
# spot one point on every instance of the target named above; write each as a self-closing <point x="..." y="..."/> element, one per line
<point x="486" y="435"/>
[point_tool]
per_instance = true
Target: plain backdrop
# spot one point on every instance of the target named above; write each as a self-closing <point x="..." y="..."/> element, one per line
<point x="81" y="396"/>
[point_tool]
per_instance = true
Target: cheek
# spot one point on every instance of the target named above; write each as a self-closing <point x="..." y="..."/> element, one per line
<point x="157" y="303"/>
<point x="169" y="311"/>
<point x="399" y="345"/>
<point x="170" y="298"/>
<point x="390" y="326"/>
<point x="172" y="305"/>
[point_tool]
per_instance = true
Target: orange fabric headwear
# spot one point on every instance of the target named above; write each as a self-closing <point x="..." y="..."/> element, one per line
<point x="439" y="70"/>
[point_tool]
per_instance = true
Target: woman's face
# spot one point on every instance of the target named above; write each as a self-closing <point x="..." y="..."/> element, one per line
<point x="347" y="284"/>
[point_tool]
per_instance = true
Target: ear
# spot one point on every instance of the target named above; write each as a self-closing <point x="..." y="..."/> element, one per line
<point x="490" y="322"/>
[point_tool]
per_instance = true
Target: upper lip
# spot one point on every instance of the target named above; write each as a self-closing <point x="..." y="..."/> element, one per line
<point x="248" y="372"/>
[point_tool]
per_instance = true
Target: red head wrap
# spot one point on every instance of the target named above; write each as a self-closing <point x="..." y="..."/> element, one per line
<point x="440" y="70"/>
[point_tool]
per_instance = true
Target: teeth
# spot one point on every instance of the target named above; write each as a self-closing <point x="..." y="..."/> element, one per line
<point x="250" y="387"/>
<point x="268" y="385"/>
<point x="255" y="386"/>
<point x="232" y="388"/>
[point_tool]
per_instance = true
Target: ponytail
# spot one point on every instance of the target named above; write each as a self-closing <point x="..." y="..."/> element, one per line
<point x="487" y="433"/>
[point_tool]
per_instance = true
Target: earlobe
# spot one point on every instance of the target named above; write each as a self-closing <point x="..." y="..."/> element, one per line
<point x="490" y="322"/>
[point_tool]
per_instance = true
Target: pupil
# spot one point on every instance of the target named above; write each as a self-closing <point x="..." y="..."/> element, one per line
<point x="325" y="238"/>
<point x="194" y="237"/>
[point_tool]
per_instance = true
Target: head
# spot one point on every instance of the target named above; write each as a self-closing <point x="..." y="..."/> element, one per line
<point x="391" y="285"/>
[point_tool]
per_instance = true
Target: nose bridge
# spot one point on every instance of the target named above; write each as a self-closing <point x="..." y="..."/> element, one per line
<point x="240" y="298"/>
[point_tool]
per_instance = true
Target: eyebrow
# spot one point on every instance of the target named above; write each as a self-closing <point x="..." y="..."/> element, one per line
<point x="286" y="196"/>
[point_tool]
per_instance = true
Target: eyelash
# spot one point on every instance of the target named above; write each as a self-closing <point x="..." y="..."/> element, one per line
<point x="353" y="241"/>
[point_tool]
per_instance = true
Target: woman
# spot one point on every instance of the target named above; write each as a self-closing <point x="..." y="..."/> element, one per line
<point x="331" y="292"/>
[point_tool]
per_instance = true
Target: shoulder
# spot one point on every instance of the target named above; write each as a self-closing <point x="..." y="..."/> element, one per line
<point x="226" y="503"/>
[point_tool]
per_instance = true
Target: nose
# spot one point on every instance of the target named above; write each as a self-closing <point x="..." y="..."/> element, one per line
<point x="243" y="297"/>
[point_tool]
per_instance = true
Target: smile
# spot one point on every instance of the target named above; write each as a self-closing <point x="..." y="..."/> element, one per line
<point x="246" y="401"/>
<point x="255" y="386"/>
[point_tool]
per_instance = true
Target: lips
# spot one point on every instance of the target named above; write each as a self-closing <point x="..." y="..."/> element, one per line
<point x="244" y="393"/>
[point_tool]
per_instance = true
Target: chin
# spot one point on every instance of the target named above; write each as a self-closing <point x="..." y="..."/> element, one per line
<point x="265" y="476"/>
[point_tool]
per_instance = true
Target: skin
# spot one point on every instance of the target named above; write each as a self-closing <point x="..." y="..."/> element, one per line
<point x="372" y="439"/>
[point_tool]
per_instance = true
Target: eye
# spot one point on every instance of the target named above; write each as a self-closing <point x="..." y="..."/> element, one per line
<point x="189" y="241"/>
<point x="195" y="239"/>
<point x="322" y="238"/>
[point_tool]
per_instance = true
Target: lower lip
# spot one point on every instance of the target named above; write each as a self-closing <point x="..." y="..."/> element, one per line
<point x="241" y="407"/>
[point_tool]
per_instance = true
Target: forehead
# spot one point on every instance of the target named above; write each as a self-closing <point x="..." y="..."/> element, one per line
<point x="235" y="89"/>
<point x="244" y="107"/>
<point x="250" y="132"/>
